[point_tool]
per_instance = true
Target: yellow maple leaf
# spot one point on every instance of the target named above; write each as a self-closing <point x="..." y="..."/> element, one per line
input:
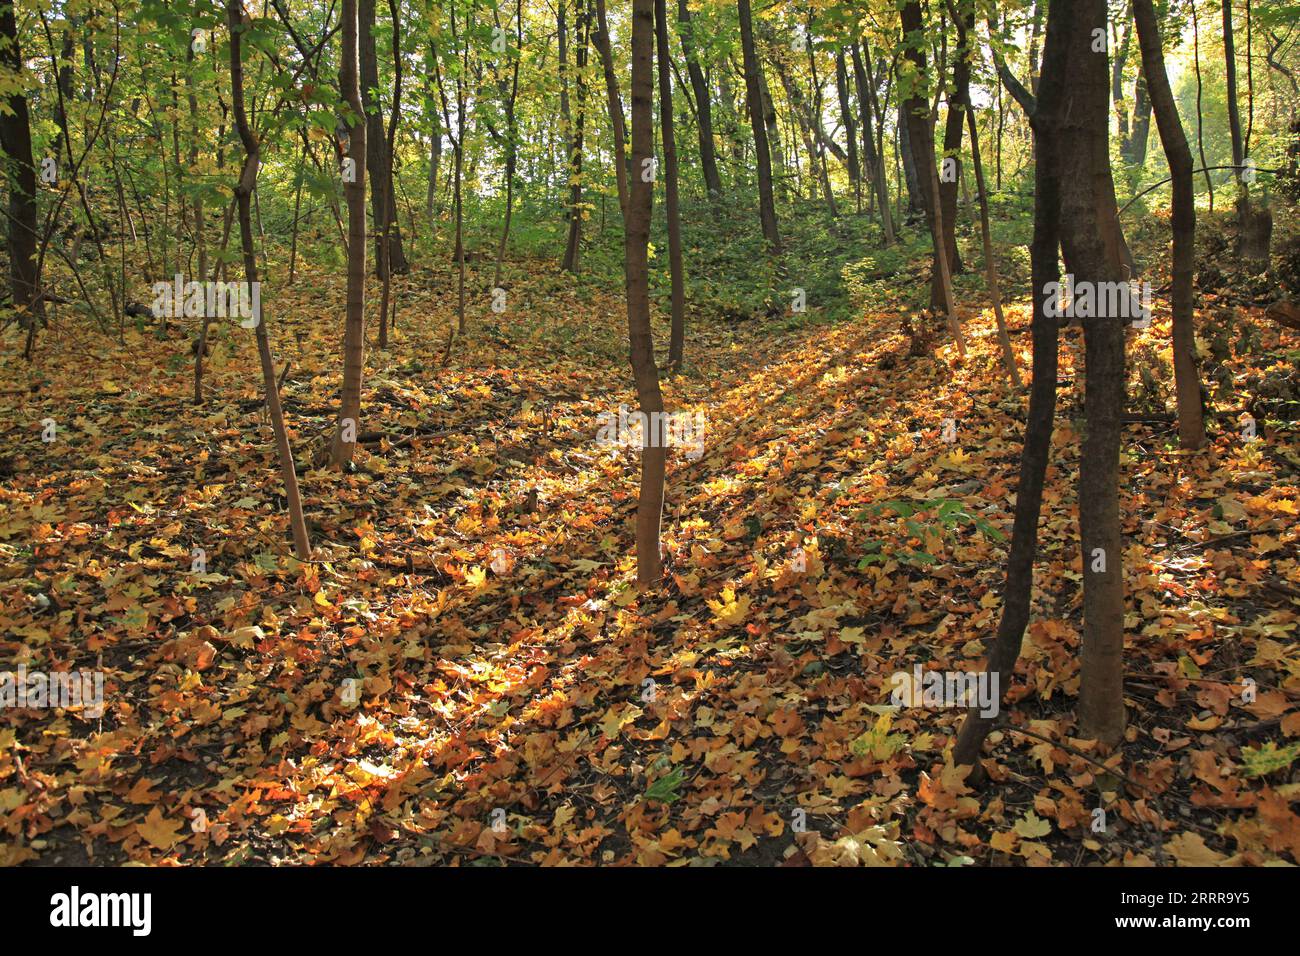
<point x="158" y="831"/>
<point x="730" y="609"/>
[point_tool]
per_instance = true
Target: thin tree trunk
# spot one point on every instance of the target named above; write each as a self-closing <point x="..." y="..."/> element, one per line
<point x="573" y="247"/>
<point x="663" y="54"/>
<point x="382" y="201"/>
<point x="641" y="343"/>
<point x="757" y="120"/>
<point x="703" y="107"/>
<point x="1045" y="263"/>
<point x="243" y="196"/>
<point x="850" y="128"/>
<point x="990" y="264"/>
<point x="615" y="104"/>
<point x="920" y="130"/>
<point x="1187" y="379"/>
<point x="1092" y="248"/>
<point x="872" y="157"/>
<point x="354" y="190"/>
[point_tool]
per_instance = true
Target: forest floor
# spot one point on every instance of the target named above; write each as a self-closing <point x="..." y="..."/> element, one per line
<point x="518" y="700"/>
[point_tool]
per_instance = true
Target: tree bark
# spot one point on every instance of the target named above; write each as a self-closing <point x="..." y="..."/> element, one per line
<point x="1187" y="379"/>
<point x="243" y="196"/>
<point x="16" y="141"/>
<point x="703" y="107"/>
<point x="354" y="191"/>
<point x="1017" y="590"/>
<point x="636" y="226"/>
<point x="383" y="203"/>
<point x="615" y="104"/>
<point x="1091" y="246"/>
<point x="757" y="120"/>
<point x="663" y="54"/>
<point x="872" y="158"/>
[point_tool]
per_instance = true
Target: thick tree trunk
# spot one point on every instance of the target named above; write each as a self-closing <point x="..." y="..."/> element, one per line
<point x="636" y="227"/>
<point x="1091" y="246"/>
<point x="703" y="107"/>
<point x="1187" y="378"/>
<point x="757" y="120"/>
<point x="16" y="141"/>
<point x="663" y="54"/>
<point x="243" y="196"/>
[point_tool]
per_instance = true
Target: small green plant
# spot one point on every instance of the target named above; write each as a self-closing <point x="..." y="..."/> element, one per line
<point x="949" y="517"/>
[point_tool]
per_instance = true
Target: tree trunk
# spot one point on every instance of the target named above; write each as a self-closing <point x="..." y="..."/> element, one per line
<point x="1091" y="247"/>
<point x="1254" y="227"/>
<point x="757" y="121"/>
<point x="663" y="54"/>
<point x="573" y="246"/>
<point x="383" y="203"/>
<point x="1044" y="255"/>
<point x="1187" y="379"/>
<point x="915" y="196"/>
<point x="990" y="264"/>
<point x="872" y="158"/>
<point x="16" y="141"/>
<point x="636" y="226"/>
<point x="958" y="106"/>
<point x="512" y="141"/>
<point x="615" y="103"/>
<point x="850" y="128"/>
<point x="354" y="190"/>
<point x="703" y="107"/>
<point x="243" y="196"/>
<point x="920" y="132"/>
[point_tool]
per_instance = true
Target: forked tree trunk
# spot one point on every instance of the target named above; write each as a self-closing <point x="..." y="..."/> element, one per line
<point x="636" y="228"/>
<point x="354" y="190"/>
<point x="243" y="196"/>
<point x="663" y="55"/>
<point x="1187" y="378"/>
<point x="757" y="121"/>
